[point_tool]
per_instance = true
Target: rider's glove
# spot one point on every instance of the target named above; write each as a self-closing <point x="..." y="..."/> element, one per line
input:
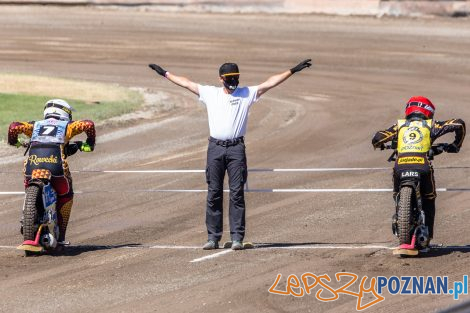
<point x="18" y="144"/>
<point x="72" y="147"/>
<point x="86" y="147"/>
<point x="452" y="148"/>
<point x="301" y="66"/>
<point x="158" y="69"/>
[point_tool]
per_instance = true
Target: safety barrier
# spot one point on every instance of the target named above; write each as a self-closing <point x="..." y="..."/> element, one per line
<point x="454" y="8"/>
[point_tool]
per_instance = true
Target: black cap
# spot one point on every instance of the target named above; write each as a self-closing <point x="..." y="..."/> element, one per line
<point x="229" y="69"/>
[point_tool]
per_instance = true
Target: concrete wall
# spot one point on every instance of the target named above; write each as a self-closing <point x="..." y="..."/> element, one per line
<point x="335" y="7"/>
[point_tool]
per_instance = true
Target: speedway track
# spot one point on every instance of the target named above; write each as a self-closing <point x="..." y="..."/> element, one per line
<point x="364" y="71"/>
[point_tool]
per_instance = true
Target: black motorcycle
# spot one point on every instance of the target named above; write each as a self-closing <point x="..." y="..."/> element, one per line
<point x="408" y="223"/>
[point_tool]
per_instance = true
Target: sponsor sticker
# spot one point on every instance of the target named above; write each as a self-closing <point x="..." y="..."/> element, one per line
<point x="411" y="160"/>
<point x="34" y="159"/>
<point x="409" y="174"/>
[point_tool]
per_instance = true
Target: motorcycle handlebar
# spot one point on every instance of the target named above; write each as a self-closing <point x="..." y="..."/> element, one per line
<point x="386" y="147"/>
<point x="70" y="149"/>
<point x="435" y="150"/>
<point x="441" y="147"/>
<point x="25" y="144"/>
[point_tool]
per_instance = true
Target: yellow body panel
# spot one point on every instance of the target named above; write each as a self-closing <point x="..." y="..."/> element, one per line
<point x="415" y="137"/>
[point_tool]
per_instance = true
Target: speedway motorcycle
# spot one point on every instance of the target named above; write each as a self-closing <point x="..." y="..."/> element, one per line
<point x="39" y="222"/>
<point x="408" y="223"/>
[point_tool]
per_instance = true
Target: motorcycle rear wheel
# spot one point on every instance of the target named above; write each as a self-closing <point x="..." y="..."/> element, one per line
<point x="30" y="214"/>
<point x="405" y="209"/>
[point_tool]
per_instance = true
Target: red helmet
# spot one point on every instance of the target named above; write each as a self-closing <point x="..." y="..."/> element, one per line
<point x="420" y="105"/>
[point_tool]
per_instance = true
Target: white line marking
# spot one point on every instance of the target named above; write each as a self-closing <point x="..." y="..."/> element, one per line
<point x="326" y="169"/>
<point x="293" y="247"/>
<point x="329" y="190"/>
<point x="174" y="247"/>
<point x="212" y="256"/>
<point x="288" y="170"/>
<point x="257" y="247"/>
<point x="339" y="169"/>
<point x="148" y="171"/>
<point x="22" y="192"/>
<point x="315" y="190"/>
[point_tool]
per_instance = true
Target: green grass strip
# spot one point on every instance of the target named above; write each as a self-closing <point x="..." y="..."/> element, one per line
<point x="21" y="107"/>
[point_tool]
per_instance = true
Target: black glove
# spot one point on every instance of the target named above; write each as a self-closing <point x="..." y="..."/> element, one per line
<point x="71" y="148"/>
<point x="436" y="150"/>
<point x="452" y="148"/>
<point x="158" y="69"/>
<point x="301" y="66"/>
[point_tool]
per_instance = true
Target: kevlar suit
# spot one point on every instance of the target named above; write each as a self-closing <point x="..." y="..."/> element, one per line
<point x="49" y="150"/>
<point x="413" y="138"/>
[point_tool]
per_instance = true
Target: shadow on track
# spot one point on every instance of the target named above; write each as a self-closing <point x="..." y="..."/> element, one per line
<point x="437" y="251"/>
<point x="77" y="250"/>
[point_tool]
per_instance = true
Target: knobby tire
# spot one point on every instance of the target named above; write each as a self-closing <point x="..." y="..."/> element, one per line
<point x="405" y="209"/>
<point x="30" y="214"/>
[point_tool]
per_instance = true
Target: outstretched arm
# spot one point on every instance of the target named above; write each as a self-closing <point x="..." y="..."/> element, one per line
<point x="178" y="80"/>
<point x="275" y="80"/>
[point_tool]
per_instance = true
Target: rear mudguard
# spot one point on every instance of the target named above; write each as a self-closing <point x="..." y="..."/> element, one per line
<point x="38" y="182"/>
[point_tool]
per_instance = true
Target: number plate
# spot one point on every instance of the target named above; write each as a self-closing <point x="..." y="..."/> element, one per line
<point x="50" y="196"/>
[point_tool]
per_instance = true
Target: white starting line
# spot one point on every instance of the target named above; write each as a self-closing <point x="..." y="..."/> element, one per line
<point x="11" y="192"/>
<point x="293" y="170"/>
<point x="286" y="170"/>
<point x="219" y="253"/>
<point x="212" y="256"/>
<point x="294" y="190"/>
<point x="261" y="247"/>
<point x="7" y="247"/>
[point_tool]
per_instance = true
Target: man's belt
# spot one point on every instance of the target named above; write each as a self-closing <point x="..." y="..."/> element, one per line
<point x="227" y="143"/>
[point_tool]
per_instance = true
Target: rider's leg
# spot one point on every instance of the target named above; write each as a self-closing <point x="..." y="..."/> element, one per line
<point x="396" y="183"/>
<point x="429" y="207"/>
<point x="63" y="186"/>
<point x="429" y="201"/>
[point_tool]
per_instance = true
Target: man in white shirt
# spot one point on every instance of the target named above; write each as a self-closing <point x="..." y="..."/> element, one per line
<point x="227" y="111"/>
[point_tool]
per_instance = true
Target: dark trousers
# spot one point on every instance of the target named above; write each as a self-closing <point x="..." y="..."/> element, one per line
<point x="230" y="158"/>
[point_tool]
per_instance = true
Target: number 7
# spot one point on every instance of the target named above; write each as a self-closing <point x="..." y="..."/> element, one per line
<point x="48" y="130"/>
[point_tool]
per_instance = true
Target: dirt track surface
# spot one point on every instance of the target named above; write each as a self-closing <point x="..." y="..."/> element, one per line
<point x="324" y="117"/>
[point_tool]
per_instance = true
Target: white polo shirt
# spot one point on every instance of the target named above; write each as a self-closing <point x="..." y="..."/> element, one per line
<point x="227" y="113"/>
